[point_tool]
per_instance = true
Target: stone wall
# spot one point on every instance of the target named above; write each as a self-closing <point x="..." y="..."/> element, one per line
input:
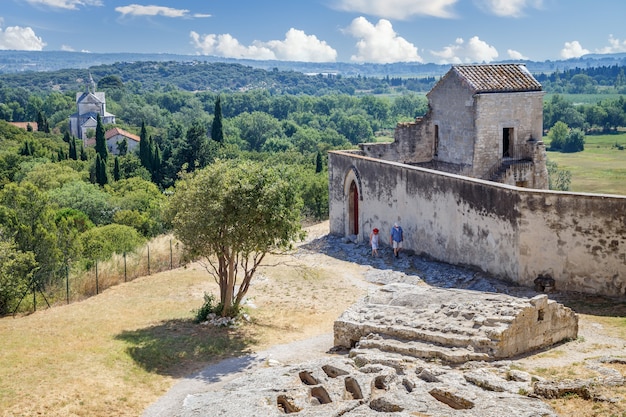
<point x="513" y="233"/>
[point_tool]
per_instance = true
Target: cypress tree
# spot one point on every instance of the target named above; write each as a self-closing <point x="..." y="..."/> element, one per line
<point x="73" y="154"/>
<point x="156" y="164"/>
<point x="102" y="177"/>
<point x="101" y="144"/>
<point x="144" y="147"/>
<point x="318" y="163"/>
<point x="217" y="130"/>
<point x="40" y="122"/>
<point x="83" y="152"/>
<point x="116" y="169"/>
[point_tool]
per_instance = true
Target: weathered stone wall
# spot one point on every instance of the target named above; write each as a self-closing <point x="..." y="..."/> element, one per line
<point x="413" y="143"/>
<point x="452" y="107"/>
<point x="510" y="232"/>
<point x="521" y="111"/>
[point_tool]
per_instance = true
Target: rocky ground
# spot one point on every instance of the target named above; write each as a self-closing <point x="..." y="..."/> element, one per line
<point x="301" y="376"/>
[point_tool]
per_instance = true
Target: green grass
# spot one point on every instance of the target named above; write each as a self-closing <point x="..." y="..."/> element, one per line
<point x="600" y="168"/>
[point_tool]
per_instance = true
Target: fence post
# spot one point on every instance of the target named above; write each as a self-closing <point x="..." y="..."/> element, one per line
<point x="171" y="262"/>
<point x="148" y="259"/>
<point x="67" y="283"/>
<point x="97" y="290"/>
<point x="124" y="266"/>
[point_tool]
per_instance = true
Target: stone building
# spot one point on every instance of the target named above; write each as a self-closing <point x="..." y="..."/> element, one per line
<point x="484" y="121"/>
<point x="89" y="104"/>
<point x="436" y="179"/>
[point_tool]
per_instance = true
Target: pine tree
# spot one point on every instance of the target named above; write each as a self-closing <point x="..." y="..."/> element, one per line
<point x="66" y="137"/>
<point x="217" y="130"/>
<point x="101" y="144"/>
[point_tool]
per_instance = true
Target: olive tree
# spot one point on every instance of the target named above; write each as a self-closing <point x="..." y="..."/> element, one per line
<point x="230" y="215"/>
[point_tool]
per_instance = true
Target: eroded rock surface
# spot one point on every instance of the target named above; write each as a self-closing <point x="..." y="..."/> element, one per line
<point x="371" y="384"/>
<point x="455" y="326"/>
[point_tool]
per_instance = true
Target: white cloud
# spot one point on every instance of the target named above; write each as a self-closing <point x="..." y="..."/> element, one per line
<point x="398" y="9"/>
<point x="139" y="10"/>
<point x="67" y="48"/>
<point x="615" y="46"/>
<point x="380" y="43"/>
<point x="573" y="50"/>
<point x="508" y="8"/>
<point x="461" y="52"/>
<point x="20" y="38"/>
<point x="513" y="54"/>
<point x="66" y="4"/>
<point x="297" y="46"/>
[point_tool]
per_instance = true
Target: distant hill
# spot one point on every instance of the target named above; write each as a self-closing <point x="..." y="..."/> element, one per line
<point x="43" y="61"/>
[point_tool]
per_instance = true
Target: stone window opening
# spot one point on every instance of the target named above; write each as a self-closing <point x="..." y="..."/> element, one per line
<point x="436" y="150"/>
<point x="540" y="314"/>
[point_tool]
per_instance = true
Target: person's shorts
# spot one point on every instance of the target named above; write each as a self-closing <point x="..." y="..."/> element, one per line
<point x="397" y="245"/>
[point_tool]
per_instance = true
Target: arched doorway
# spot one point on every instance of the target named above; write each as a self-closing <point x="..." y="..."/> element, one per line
<point x="353" y="209"/>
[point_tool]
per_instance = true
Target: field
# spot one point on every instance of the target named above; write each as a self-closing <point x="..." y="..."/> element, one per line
<point x="600" y="168"/>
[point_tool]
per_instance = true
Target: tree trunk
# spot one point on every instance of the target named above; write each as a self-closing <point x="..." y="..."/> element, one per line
<point x="230" y="287"/>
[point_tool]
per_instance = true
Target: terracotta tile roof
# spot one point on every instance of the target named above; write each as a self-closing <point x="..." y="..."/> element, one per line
<point x="117" y="131"/>
<point x="497" y="78"/>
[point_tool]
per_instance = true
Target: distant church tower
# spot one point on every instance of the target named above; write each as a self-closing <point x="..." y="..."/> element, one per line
<point x="88" y="105"/>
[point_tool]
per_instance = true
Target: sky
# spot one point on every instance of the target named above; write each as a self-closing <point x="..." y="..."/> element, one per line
<point x="357" y="31"/>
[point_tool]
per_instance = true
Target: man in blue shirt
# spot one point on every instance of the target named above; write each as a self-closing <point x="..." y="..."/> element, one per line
<point x="396" y="238"/>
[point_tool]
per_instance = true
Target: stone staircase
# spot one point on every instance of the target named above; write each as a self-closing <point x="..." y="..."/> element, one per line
<point x="454" y="326"/>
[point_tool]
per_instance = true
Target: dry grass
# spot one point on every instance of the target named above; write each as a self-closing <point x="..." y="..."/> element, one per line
<point x="119" y="351"/>
<point x="574" y="406"/>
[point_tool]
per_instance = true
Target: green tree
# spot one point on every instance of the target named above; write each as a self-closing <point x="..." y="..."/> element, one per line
<point x="558" y="179"/>
<point x="99" y="243"/>
<point x="116" y="169"/>
<point x="101" y="144"/>
<point x="217" y="130"/>
<point x="102" y="176"/>
<point x="231" y="214"/>
<point x="318" y="163"/>
<point x="73" y="154"/>
<point x="16" y="270"/>
<point x="557" y="135"/>
<point x="574" y="142"/>
<point x="27" y="218"/>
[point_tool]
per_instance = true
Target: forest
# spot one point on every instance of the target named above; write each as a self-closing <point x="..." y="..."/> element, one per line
<point x="63" y="205"/>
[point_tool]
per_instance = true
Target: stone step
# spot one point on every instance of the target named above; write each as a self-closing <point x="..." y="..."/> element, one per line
<point x="443" y="337"/>
<point x="420" y="349"/>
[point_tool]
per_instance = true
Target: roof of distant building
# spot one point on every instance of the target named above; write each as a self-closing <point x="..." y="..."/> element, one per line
<point x="117" y="131"/>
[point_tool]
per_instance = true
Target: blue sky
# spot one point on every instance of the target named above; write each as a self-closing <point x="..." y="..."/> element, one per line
<point x="380" y="31"/>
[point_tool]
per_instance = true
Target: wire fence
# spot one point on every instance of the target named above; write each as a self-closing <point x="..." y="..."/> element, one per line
<point x="161" y="254"/>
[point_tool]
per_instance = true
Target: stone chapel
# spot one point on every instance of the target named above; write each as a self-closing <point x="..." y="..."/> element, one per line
<point x="88" y="105"/>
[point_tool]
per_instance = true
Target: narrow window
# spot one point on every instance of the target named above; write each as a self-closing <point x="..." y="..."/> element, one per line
<point x="436" y="152"/>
